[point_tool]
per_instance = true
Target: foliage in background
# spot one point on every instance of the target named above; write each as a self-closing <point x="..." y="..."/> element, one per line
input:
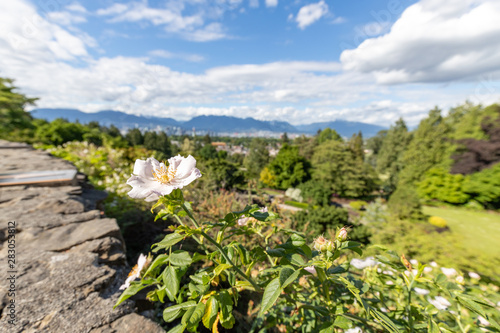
<point x="316" y="193"/>
<point x="404" y="204"/>
<point x="288" y="169"/>
<point x="390" y="154"/>
<point x="15" y="122"/>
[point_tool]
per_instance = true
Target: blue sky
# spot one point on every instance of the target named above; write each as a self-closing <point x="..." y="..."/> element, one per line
<point x="298" y="61"/>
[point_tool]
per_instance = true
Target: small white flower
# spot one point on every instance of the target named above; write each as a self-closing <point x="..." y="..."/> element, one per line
<point x="439" y="302"/>
<point x="427" y="269"/>
<point x="152" y="179"/>
<point x="354" y="330"/>
<point x="460" y="279"/>
<point x="361" y="264"/>
<point x="384" y="310"/>
<point x="434" y="264"/>
<point x="449" y="272"/>
<point x="474" y="275"/>
<point x="421" y="291"/>
<point x="414" y="262"/>
<point x="389" y="283"/>
<point x="136" y="271"/>
<point x="243" y="221"/>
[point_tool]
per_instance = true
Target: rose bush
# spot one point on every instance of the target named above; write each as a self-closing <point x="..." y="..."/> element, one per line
<point x="295" y="286"/>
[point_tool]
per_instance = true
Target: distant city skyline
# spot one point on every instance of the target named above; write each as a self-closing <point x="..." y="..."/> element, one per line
<point x="296" y="61"/>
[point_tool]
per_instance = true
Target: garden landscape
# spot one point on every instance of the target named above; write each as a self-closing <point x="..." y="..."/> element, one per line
<point x="290" y="216"/>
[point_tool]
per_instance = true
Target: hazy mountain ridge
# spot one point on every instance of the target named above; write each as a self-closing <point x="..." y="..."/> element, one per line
<point x="223" y="124"/>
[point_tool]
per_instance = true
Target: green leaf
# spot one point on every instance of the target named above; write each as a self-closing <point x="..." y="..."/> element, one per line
<point x="307" y="251"/>
<point x="160" y="260"/>
<point x="342" y="322"/>
<point x="175" y="198"/>
<point x="327" y="328"/>
<point x="297" y="240"/>
<point x="198" y="256"/>
<point x="221" y="268"/>
<point x="171" y="282"/>
<point x="180" y="258"/>
<point x="385" y="321"/>
<point x="433" y="327"/>
<point x="226" y="306"/>
<point x="352" y="288"/>
<point x="133" y="289"/>
<point x="276" y="252"/>
<point x="211" y="309"/>
<point x="471" y="305"/>
<point x="178" y="329"/>
<point x="339" y="269"/>
<point x="196" y="316"/>
<point x="288" y="276"/>
<point x="168" y="241"/>
<point x="353" y="246"/>
<point x="161" y="294"/>
<point x="265" y="217"/>
<point x="271" y="294"/>
<point x="296" y="259"/>
<point x="173" y="312"/>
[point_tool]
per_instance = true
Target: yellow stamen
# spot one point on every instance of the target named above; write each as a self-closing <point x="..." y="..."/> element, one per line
<point x="164" y="175"/>
<point x="133" y="271"/>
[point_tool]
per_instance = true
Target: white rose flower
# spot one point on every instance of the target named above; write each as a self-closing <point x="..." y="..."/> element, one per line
<point x="152" y="179"/>
<point x="136" y="271"/>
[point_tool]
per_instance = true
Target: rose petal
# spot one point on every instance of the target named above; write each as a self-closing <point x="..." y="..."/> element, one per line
<point x="186" y="167"/>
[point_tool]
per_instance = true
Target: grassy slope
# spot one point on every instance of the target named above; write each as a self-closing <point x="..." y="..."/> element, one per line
<point x="480" y="230"/>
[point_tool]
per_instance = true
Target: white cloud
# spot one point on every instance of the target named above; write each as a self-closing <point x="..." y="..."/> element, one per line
<point x="433" y="41"/>
<point x="311" y="13"/>
<point x="254" y="3"/>
<point x="170" y="55"/>
<point x="55" y="63"/>
<point x="199" y="26"/>
<point x="339" y="20"/>
<point x="76" y="7"/>
<point x="271" y="3"/>
<point x="65" y="18"/>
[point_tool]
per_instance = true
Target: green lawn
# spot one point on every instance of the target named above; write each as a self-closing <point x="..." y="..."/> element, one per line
<point x="480" y="230"/>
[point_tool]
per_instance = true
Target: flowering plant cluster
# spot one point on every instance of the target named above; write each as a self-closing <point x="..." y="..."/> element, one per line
<point x="295" y="286"/>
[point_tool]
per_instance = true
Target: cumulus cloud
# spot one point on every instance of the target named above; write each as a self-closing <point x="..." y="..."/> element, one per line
<point x="254" y="3"/>
<point x="172" y="55"/>
<point x="191" y="27"/>
<point x="311" y="13"/>
<point x="271" y="3"/>
<point x="433" y="41"/>
<point x="55" y="62"/>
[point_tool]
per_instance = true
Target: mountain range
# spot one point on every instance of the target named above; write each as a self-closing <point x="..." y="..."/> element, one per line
<point x="218" y="124"/>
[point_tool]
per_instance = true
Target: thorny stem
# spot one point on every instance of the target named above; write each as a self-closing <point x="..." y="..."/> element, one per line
<point x="195" y="237"/>
<point x="410" y="318"/>
<point x="221" y="250"/>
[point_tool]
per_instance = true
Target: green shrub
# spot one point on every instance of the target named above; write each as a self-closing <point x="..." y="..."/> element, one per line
<point x="316" y="192"/>
<point x="405" y="204"/>
<point x="324" y="220"/>
<point x="358" y="204"/>
<point x="438" y="221"/>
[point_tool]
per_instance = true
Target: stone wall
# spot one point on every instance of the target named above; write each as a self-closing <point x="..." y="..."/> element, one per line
<point x="70" y="260"/>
